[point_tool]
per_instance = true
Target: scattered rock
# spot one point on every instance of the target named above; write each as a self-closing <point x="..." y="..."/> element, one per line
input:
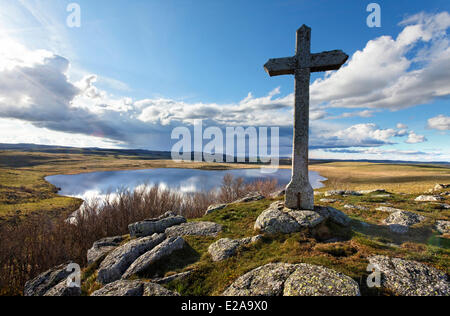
<point x="63" y="290"/>
<point x="356" y="207"/>
<point x="178" y="277"/>
<point x="144" y="262"/>
<point x="307" y="219"/>
<point x="102" y="247"/>
<point x="334" y="215"/>
<point x="316" y="193"/>
<point x="118" y="261"/>
<point x="274" y="220"/>
<point x="278" y="219"/>
<point x="152" y="289"/>
<point x="155" y="226"/>
<point x="310" y="280"/>
<point x="363" y="192"/>
<point x="282" y="279"/>
<point x="342" y="193"/>
<point x="443" y="206"/>
<point x="267" y="280"/>
<point x="328" y="200"/>
<point x="133" y="288"/>
<point x="382" y="196"/>
<point x="226" y="248"/>
<point x="443" y="227"/>
<point x="250" y="198"/>
<point x="194" y="229"/>
<point x="215" y="207"/>
<point x="388" y="209"/>
<point x="429" y="198"/>
<point x="399" y="222"/>
<point x="410" y="278"/>
<point x="439" y="187"/>
<point x="223" y="249"/>
<point x="44" y="282"/>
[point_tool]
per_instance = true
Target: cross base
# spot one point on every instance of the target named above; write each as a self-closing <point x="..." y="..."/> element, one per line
<point x="300" y="196"/>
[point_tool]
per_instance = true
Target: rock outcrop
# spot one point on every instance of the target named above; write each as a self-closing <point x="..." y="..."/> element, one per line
<point x="355" y="207"/>
<point x="282" y="279"/>
<point x="155" y="226"/>
<point x="342" y="193"/>
<point x="215" y="208"/>
<point x="410" y="278"/>
<point x="388" y="209"/>
<point x="399" y="222"/>
<point x="119" y="260"/>
<point x="428" y="198"/>
<point x="278" y="219"/>
<point x="251" y="197"/>
<point x="63" y="290"/>
<point x="44" y="282"/>
<point x="144" y="262"/>
<point x="443" y="227"/>
<point x="226" y="248"/>
<point x="102" y="247"/>
<point x="133" y="288"/>
<point x="194" y="229"/>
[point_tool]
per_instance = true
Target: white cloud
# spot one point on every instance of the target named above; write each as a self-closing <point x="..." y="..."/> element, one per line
<point x="393" y="73"/>
<point x="402" y="126"/>
<point x="413" y="138"/>
<point x="440" y="122"/>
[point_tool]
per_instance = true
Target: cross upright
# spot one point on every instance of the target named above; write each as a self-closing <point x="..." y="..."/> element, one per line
<point x="299" y="193"/>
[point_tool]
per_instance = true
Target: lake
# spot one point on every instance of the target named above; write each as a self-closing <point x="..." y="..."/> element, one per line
<point x="98" y="184"/>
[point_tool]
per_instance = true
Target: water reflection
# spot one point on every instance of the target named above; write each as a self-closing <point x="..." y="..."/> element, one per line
<point x="98" y="184"/>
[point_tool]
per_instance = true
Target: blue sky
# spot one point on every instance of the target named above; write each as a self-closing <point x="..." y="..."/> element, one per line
<point x="134" y="70"/>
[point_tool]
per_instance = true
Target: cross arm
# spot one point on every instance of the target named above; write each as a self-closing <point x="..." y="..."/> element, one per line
<point x="281" y="66"/>
<point x="325" y="61"/>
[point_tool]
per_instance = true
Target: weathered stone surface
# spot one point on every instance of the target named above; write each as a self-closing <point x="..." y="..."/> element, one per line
<point x="102" y="247"/>
<point x="342" y="193"/>
<point x="356" y="207"/>
<point x="307" y="219"/>
<point x="133" y="288"/>
<point x="250" y="198"/>
<point x="118" y="261"/>
<point x="388" y="209"/>
<point x="194" y="229"/>
<point x="214" y="208"/>
<point x="328" y="200"/>
<point x="63" y="290"/>
<point x="333" y="215"/>
<point x="274" y="220"/>
<point x="439" y="187"/>
<point x="310" y="280"/>
<point x="363" y="192"/>
<point x="223" y="249"/>
<point x="152" y="289"/>
<point x="277" y="279"/>
<point x="178" y="276"/>
<point x="267" y="280"/>
<point x="277" y="219"/>
<point x="226" y="248"/>
<point x="144" y="262"/>
<point x="443" y="227"/>
<point x="399" y="222"/>
<point x="155" y="226"/>
<point x="410" y="278"/>
<point x="40" y="285"/>
<point x="428" y="198"/>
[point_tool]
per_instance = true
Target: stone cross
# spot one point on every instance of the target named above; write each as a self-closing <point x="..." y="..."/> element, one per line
<point x="299" y="193"/>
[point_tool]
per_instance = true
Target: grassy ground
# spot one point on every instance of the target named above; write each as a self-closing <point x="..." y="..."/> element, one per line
<point x="348" y="256"/>
<point x="23" y="189"/>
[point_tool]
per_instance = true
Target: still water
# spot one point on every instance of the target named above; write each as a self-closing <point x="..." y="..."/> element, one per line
<point x="98" y="184"/>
